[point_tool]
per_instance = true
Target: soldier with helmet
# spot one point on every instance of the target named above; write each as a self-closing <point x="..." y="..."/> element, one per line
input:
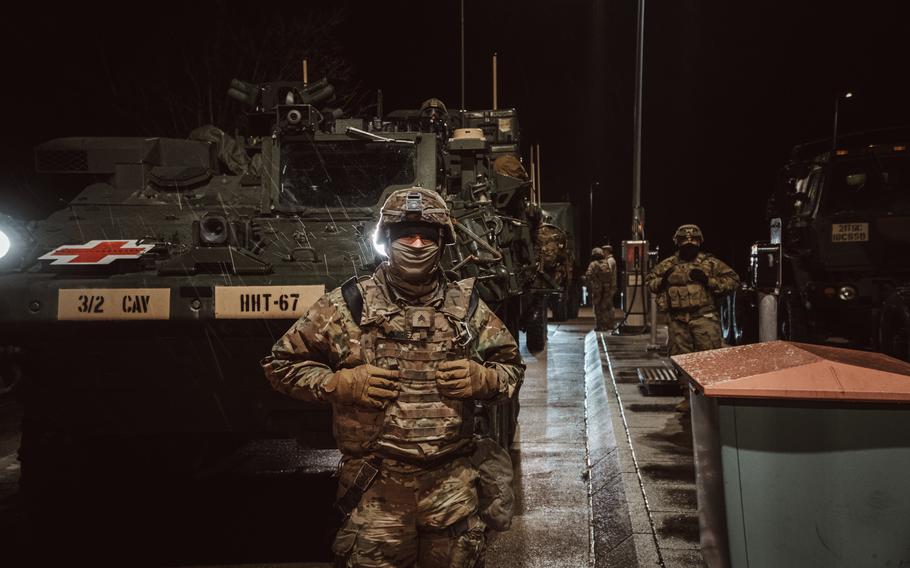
<point x="687" y="286"/>
<point x="402" y="356"/>
<point x="601" y="280"/>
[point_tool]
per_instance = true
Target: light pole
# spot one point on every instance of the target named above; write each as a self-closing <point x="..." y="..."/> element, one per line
<point x="591" y="211"/>
<point x="847" y="95"/>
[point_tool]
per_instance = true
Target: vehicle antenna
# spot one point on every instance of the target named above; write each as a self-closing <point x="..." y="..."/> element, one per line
<point x="462" y="54"/>
<point x="494" y="83"/>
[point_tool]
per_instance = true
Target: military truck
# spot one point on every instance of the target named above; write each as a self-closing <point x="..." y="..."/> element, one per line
<point x="138" y="313"/>
<point x="839" y="255"/>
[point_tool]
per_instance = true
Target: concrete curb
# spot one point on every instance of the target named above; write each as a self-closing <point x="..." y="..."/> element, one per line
<point x="621" y="533"/>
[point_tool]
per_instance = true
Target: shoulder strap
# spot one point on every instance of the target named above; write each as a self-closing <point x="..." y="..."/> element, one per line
<point x="353" y="299"/>
<point x="473" y="302"/>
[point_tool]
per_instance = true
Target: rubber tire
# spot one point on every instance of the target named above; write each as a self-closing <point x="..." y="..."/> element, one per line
<point x="726" y="320"/>
<point x="894" y="328"/>
<point x="791" y="317"/>
<point x="536" y="332"/>
<point x="560" y="308"/>
<point x="744" y="312"/>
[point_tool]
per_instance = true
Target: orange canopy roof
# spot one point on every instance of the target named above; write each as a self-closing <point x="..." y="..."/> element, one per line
<point x="782" y="369"/>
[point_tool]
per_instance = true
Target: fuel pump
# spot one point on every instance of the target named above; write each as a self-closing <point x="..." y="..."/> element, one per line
<point x="635" y="296"/>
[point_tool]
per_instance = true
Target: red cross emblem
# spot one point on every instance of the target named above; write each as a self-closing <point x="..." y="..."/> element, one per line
<point x="96" y="252"/>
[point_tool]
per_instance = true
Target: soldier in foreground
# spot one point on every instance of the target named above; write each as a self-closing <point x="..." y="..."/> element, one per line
<point x="600" y="280"/>
<point x="402" y="356"/>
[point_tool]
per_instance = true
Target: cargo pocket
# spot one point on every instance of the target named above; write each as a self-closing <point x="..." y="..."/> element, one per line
<point x="343" y="546"/>
<point x="468" y="549"/>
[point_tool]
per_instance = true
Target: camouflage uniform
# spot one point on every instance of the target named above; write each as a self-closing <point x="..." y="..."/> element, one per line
<point x="423" y="505"/>
<point x="553" y="255"/>
<point x="601" y="281"/>
<point x="694" y="320"/>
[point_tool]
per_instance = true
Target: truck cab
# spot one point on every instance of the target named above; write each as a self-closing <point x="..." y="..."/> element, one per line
<point x="839" y="253"/>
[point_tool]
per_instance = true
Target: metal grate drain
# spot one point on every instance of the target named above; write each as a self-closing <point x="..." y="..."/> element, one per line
<point x="658" y="380"/>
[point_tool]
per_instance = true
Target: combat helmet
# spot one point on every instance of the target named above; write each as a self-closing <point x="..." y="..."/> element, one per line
<point x="432" y="105"/>
<point x="597" y="253"/>
<point x="688" y="234"/>
<point x="414" y="205"/>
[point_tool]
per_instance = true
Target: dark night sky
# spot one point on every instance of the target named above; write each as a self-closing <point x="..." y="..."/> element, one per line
<point x="730" y="87"/>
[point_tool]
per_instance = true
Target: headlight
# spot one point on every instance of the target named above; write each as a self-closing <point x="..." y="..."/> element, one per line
<point x="4" y="243"/>
<point x="378" y="246"/>
<point x="846" y="293"/>
<point x="15" y="243"/>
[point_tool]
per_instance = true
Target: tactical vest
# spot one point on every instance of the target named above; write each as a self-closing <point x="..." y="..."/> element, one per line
<point x="420" y="425"/>
<point x="685" y="294"/>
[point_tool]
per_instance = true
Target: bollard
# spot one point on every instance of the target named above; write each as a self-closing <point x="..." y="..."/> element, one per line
<point x="767" y="316"/>
<point x="652" y="344"/>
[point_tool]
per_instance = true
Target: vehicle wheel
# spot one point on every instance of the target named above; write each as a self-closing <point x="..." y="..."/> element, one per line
<point x="52" y="461"/>
<point x="726" y="320"/>
<point x="509" y="312"/>
<point x="894" y="328"/>
<point x="560" y="308"/>
<point x="791" y="317"/>
<point x="536" y="333"/>
<point x="743" y="317"/>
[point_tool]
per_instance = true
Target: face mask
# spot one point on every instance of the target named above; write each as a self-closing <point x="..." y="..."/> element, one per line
<point x="412" y="267"/>
<point x="688" y="252"/>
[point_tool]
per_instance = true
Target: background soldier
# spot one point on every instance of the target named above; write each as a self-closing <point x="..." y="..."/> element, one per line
<point x="687" y="285"/>
<point x="600" y="278"/>
<point x="402" y="356"/>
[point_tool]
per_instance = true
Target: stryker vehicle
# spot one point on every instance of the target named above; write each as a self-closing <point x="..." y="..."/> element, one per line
<point x="839" y="255"/>
<point x="139" y="313"/>
<point x="566" y="299"/>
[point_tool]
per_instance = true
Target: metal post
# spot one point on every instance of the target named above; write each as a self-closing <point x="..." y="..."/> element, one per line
<point x="305" y="73"/>
<point x="837" y="99"/>
<point x="462" y="54"/>
<point x="591" y="213"/>
<point x="533" y="177"/>
<point x="652" y="342"/>
<point x="639" y="79"/>
<point x="767" y="316"/>
<point x="834" y="136"/>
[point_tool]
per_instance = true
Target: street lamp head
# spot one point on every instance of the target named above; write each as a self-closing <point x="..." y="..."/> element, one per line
<point x="848" y="95"/>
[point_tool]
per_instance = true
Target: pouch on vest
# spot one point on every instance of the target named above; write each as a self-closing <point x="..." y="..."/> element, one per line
<point x="494" y="483"/>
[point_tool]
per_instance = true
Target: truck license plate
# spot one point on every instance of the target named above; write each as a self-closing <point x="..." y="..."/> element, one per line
<point x="271" y="302"/>
<point x="114" y="304"/>
<point x="849" y="232"/>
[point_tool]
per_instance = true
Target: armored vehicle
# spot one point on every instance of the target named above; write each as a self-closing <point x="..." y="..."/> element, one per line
<point x="839" y="255"/>
<point x="140" y="311"/>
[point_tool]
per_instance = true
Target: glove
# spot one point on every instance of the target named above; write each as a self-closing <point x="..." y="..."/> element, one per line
<point x="364" y="385"/>
<point x="664" y="282"/>
<point x="466" y="379"/>
<point x="698" y="275"/>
